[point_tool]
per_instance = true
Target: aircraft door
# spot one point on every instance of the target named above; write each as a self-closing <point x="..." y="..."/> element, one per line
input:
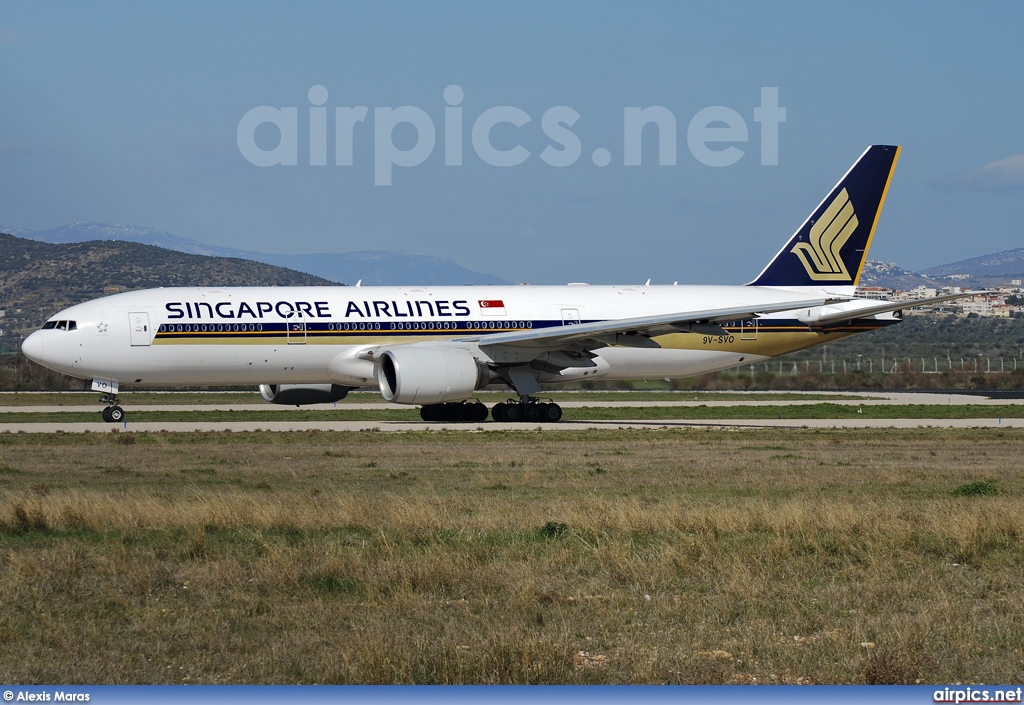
<point x="748" y="329"/>
<point x="296" y="332"/>
<point x="138" y="324"/>
<point x="570" y="316"/>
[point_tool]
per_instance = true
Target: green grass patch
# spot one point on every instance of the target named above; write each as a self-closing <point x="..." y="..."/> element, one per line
<point x="808" y="411"/>
<point x="331" y="585"/>
<point x="981" y="488"/>
<point x="340" y="414"/>
<point x="553" y="529"/>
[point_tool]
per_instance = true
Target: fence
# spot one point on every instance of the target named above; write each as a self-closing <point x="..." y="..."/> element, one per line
<point x="891" y="365"/>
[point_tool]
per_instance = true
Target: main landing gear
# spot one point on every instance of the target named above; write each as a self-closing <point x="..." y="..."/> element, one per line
<point x="112" y="413"/>
<point x="527" y="410"/>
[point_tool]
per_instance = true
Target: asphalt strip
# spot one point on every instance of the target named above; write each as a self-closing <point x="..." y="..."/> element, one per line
<point x="404" y="426"/>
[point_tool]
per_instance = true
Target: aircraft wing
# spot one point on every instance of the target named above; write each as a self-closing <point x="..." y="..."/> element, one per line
<point x="635" y="332"/>
<point x="887" y="306"/>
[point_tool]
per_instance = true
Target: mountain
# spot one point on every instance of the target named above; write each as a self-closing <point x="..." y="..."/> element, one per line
<point x="373" y="267"/>
<point x="38" y="279"/>
<point x="892" y="276"/>
<point x="17" y="232"/>
<point x="988" y="270"/>
<point x="1008" y="264"/>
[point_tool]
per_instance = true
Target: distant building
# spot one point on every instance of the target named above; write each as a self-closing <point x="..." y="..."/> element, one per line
<point x="1000" y="301"/>
<point x="874" y="292"/>
<point x="920" y="292"/>
<point x="982" y="305"/>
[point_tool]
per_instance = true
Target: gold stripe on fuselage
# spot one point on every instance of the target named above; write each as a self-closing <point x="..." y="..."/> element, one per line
<point x="767" y="343"/>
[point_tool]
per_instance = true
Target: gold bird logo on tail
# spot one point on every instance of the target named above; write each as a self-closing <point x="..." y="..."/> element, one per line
<point x="820" y="255"/>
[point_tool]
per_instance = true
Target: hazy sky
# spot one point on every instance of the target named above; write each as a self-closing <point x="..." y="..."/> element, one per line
<point x="130" y="113"/>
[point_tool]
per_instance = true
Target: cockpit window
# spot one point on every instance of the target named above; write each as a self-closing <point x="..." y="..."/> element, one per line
<point x="60" y="325"/>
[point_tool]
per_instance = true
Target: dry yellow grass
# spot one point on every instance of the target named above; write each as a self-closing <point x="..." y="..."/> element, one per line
<point x="608" y="557"/>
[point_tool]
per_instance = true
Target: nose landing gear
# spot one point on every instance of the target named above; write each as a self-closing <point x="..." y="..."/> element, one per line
<point x="112" y="413"/>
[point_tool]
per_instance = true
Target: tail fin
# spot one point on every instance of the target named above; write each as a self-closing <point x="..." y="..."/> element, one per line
<point x="829" y="249"/>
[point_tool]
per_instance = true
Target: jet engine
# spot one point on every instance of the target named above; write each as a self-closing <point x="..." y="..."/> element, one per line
<point x="429" y="375"/>
<point x="301" y="394"/>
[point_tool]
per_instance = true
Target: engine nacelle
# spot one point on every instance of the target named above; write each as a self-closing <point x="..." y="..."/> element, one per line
<point x="301" y="394"/>
<point x="429" y="375"/>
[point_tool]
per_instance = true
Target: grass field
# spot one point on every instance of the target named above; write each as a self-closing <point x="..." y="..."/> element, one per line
<point x="701" y="556"/>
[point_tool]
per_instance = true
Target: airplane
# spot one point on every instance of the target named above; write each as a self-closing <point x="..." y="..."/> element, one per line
<point x="435" y="347"/>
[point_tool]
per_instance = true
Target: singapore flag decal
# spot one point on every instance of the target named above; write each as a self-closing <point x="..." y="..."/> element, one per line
<point x="492" y="307"/>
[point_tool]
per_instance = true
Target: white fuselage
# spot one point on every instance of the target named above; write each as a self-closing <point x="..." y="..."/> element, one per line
<point x="298" y="335"/>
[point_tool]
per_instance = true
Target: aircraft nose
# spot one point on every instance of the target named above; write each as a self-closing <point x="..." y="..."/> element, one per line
<point x="33" y="347"/>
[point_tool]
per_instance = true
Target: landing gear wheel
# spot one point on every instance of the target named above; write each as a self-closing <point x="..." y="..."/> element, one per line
<point x="513" y="413"/>
<point x="454" y="411"/>
<point x="551" y="413"/>
<point x="479" y="412"/>
<point x="112" y="413"/>
<point x="498" y="412"/>
<point x="531" y="412"/>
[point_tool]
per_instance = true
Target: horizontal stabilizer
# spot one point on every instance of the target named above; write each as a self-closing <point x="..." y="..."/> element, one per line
<point x="887" y="306"/>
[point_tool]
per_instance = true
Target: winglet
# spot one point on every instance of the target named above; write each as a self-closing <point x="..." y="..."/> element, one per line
<point x="830" y="248"/>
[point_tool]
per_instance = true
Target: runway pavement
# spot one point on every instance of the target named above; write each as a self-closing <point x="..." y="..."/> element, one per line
<point x="899" y="398"/>
<point x="405" y="426"/>
<point x="879" y="398"/>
